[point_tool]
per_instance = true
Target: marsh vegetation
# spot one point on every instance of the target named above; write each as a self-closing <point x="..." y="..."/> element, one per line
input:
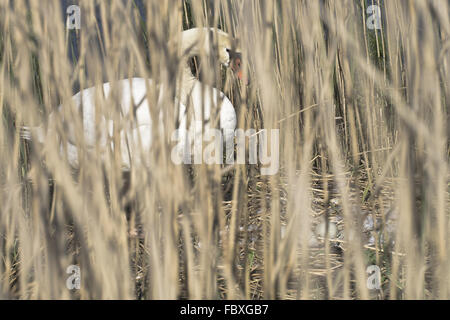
<point x="361" y="104"/>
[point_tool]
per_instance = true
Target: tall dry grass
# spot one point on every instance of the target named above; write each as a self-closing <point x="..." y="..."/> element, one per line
<point x="363" y="133"/>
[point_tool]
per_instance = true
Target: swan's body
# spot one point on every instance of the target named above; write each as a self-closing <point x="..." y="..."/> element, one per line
<point x="136" y="135"/>
<point x="207" y="98"/>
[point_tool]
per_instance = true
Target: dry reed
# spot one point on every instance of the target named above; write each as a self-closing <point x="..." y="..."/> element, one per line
<point x="362" y="115"/>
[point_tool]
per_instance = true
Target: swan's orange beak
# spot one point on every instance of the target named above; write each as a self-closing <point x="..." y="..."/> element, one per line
<point x="236" y="67"/>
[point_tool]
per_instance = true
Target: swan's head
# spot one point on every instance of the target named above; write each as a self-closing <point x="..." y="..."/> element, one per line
<point x="227" y="47"/>
<point x="198" y="40"/>
<point x="229" y="52"/>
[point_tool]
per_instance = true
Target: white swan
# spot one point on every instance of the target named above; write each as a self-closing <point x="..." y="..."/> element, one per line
<point x="138" y="133"/>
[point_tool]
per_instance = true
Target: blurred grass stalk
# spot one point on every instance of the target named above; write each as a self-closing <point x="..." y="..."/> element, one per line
<point x="350" y="102"/>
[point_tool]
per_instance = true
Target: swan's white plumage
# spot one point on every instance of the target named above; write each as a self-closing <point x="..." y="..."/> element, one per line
<point x="206" y="98"/>
<point x="136" y="136"/>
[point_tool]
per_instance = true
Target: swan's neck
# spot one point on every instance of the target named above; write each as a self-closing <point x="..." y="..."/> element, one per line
<point x="189" y="79"/>
<point x="193" y="41"/>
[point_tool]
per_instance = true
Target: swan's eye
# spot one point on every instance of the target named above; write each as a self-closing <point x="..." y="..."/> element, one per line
<point x="228" y="50"/>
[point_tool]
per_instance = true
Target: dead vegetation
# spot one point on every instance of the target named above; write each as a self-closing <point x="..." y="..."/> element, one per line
<point x="364" y="150"/>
